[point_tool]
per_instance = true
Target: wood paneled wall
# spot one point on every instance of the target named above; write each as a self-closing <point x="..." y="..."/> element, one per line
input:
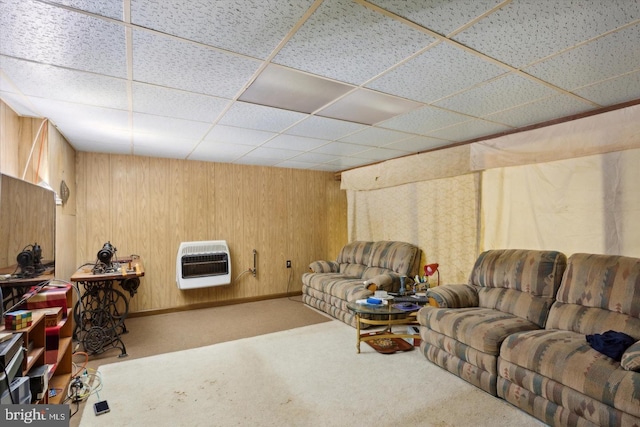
<point x="147" y="206"/>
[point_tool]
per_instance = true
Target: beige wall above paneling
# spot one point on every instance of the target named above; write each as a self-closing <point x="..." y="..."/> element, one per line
<point x="147" y="206"/>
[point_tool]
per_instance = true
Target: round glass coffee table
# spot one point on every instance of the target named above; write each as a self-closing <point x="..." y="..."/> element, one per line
<point x="387" y="315"/>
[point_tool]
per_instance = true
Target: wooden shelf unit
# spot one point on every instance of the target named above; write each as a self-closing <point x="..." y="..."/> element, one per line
<point x="35" y="341"/>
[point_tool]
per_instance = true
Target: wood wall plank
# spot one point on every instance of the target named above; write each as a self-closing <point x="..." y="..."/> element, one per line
<point x="281" y="213"/>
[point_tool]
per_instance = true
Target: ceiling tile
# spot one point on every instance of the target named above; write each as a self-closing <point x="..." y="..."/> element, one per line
<point x="424" y="120"/>
<point x="260" y="117"/>
<point x="367" y="107"/>
<point x="380" y="154"/>
<point x="176" y="103"/>
<point x="438" y="72"/>
<point x="613" y="91"/>
<point x="470" y="130"/>
<point x="341" y="149"/>
<point x="184" y="65"/>
<point x="292" y="142"/>
<point x="345" y="41"/>
<point x="72" y="115"/>
<point x="50" y="35"/>
<point x="499" y="94"/>
<point x="324" y="128"/>
<point x="417" y="144"/>
<point x="251" y="27"/>
<point x="615" y="54"/>
<point x="271" y="154"/>
<point x="314" y="157"/>
<point x="541" y="111"/>
<point x="109" y="8"/>
<point x="375" y="137"/>
<point x="294" y="90"/>
<point x="343" y="163"/>
<point x="219" y="151"/>
<point x="235" y="135"/>
<point x="525" y="31"/>
<point x="441" y="16"/>
<point x="152" y="146"/>
<point x="162" y="127"/>
<point x="46" y="81"/>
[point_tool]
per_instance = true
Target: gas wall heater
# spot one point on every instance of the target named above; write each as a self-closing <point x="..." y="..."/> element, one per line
<point x="203" y="264"/>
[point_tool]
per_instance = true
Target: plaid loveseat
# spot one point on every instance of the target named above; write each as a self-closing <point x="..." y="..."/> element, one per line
<point x="330" y="285"/>
<point x="508" y="291"/>
<point x="555" y="374"/>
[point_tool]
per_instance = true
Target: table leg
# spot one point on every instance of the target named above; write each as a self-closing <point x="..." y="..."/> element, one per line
<point x="358" y="332"/>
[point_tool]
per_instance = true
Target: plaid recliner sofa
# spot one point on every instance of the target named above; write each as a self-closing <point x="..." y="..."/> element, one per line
<point x="555" y="374"/>
<point x="508" y="291"/>
<point x="331" y="285"/>
<point x="550" y="371"/>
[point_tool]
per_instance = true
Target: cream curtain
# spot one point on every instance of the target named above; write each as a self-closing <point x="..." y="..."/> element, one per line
<point x="588" y="204"/>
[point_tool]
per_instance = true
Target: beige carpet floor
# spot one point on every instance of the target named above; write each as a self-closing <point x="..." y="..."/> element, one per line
<point x="163" y="333"/>
<point x="307" y="376"/>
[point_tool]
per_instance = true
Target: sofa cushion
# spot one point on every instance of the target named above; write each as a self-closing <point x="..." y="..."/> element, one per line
<point x="352" y="270"/>
<point x="400" y="257"/>
<point x="357" y="252"/>
<point x="481" y="328"/>
<point x="631" y="358"/>
<point x="454" y="296"/>
<point x="598" y="293"/>
<point x="517" y="281"/>
<point x="324" y="267"/>
<point x="567" y="358"/>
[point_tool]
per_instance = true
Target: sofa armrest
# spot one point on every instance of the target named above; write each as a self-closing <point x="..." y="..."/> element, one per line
<point x="631" y="358"/>
<point x="381" y="281"/>
<point x="454" y="296"/>
<point x="324" y="267"/>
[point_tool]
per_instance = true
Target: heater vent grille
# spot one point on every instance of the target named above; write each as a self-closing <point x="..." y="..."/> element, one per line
<point x="203" y="264"/>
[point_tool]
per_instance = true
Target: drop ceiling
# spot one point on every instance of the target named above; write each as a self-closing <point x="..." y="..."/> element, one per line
<point x="325" y="85"/>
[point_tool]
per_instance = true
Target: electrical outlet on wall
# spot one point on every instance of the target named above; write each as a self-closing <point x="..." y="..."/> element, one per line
<point x="288" y="263"/>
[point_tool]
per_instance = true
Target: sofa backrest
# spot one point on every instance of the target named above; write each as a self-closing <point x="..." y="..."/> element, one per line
<point x="354" y="257"/>
<point x="519" y="281"/>
<point x="598" y="293"/>
<point x="390" y="256"/>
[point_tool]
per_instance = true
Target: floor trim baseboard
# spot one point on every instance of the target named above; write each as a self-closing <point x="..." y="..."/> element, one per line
<point x="211" y="304"/>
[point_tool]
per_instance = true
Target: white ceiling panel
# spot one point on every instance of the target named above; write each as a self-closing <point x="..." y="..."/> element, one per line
<point x="609" y="56"/>
<point x="293" y="142"/>
<point x="470" y="130"/>
<point x="109" y="8"/>
<point x="499" y="94"/>
<point x="219" y="152"/>
<point x="341" y="149"/>
<point x="184" y="65"/>
<point x="444" y="17"/>
<point x="349" y="42"/>
<point x="417" y="144"/>
<point x="250" y="27"/>
<point x="62" y="84"/>
<point x="47" y="34"/>
<point x="260" y="117"/>
<point x="380" y="153"/>
<point x="424" y="120"/>
<point x="375" y="137"/>
<point x="324" y="128"/>
<point x="168" y="102"/>
<point x="236" y="135"/>
<point x="160" y="126"/>
<point x="541" y="111"/>
<point x="436" y="73"/>
<point x="239" y="82"/>
<point x="613" y="91"/>
<point x="526" y="31"/>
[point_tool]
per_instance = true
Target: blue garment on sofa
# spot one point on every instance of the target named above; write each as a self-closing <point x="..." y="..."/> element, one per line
<point x="611" y="343"/>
